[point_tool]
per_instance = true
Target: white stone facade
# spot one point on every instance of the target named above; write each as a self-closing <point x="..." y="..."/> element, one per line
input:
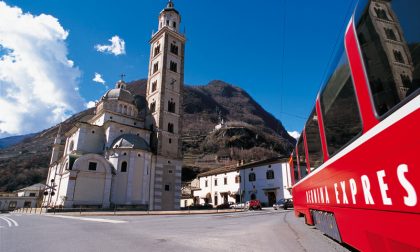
<point x="237" y="184"/>
<point x="127" y="155"/>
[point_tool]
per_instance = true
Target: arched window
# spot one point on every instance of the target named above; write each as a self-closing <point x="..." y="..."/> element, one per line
<point x="171" y="106"/>
<point x="270" y="174"/>
<point x="124" y="166"/>
<point x="171" y="127"/>
<point x="71" y="147"/>
<point x="251" y="176"/>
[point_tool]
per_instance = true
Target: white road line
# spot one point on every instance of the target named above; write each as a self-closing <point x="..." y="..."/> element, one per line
<point x="88" y="219"/>
<point x="6" y="220"/>
<point x="13" y="221"/>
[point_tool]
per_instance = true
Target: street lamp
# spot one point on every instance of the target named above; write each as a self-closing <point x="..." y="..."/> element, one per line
<point x="50" y="190"/>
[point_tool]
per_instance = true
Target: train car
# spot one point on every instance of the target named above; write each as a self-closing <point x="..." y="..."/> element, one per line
<point x="355" y="168"/>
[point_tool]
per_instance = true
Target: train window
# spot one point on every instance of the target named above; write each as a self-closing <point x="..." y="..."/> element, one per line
<point x="302" y="158"/>
<point x="340" y="112"/>
<point x="313" y="141"/>
<point x="391" y="51"/>
<point x="295" y="168"/>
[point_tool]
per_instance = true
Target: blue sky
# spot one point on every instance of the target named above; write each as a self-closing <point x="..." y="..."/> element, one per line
<point x="277" y="50"/>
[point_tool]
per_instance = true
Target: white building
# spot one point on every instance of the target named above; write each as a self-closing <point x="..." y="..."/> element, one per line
<point x="267" y="181"/>
<point x="127" y="154"/>
<point x="26" y="197"/>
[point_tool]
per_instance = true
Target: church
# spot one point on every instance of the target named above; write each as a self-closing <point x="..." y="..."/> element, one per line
<point x="128" y="155"/>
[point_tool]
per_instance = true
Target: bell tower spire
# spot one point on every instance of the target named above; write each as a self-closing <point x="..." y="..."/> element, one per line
<point x="164" y="97"/>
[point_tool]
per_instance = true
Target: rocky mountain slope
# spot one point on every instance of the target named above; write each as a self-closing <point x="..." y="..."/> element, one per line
<point x="9" y="141"/>
<point x="250" y="133"/>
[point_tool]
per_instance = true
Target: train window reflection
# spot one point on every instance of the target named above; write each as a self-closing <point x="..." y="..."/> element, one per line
<point x="295" y="168"/>
<point x="339" y="108"/>
<point x="313" y="141"/>
<point x="388" y="32"/>
<point x="302" y="158"/>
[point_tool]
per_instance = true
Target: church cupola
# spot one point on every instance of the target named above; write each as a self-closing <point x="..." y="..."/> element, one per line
<point x="169" y="17"/>
<point x="121" y="84"/>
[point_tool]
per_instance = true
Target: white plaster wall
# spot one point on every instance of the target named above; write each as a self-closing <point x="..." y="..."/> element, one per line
<point x="91" y="139"/>
<point x="220" y="188"/>
<point x="281" y="181"/>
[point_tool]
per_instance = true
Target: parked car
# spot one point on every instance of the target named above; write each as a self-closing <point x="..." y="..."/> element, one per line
<point x="238" y="206"/>
<point x="253" y="205"/>
<point x="225" y="205"/>
<point x="284" y="204"/>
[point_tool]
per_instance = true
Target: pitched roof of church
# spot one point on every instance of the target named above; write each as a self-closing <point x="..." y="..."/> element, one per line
<point x="130" y="141"/>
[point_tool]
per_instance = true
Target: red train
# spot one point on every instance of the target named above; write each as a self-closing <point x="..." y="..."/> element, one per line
<point x="355" y="167"/>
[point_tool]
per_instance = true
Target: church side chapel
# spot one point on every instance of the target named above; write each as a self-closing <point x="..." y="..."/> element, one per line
<point x="123" y="156"/>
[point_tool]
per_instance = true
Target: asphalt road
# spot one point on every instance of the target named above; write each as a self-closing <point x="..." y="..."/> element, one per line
<point x="266" y="230"/>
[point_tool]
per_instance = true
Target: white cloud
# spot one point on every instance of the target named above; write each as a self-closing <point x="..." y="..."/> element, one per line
<point x="38" y="83"/>
<point x="90" y="104"/>
<point x="294" y="134"/>
<point x="117" y="46"/>
<point x="98" y="78"/>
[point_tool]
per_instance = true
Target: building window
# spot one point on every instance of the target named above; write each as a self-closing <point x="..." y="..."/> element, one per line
<point x="171" y="127"/>
<point x="206" y="183"/>
<point x="215" y="182"/>
<point x="167" y="22"/>
<point x="381" y="13"/>
<point x="152" y="107"/>
<point x="171" y="106"/>
<point x="157" y="50"/>
<point x="406" y="81"/>
<point x="155" y="67"/>
<point x="238" y="179"/>
<point x="174" y="24"/>
<point x="92" y="166"/>
<point x="124" y="166"/>
<point x="269" y="174"/>
<point x="390" y="34"/>
<point x="27" y="204"/>
<point x="167" y="188"/>
<point x="32" y="194"/>
<point x="225" y="181"/>
<point x="173" y="66"/>
<point x="251" y="177"/>
<point x="170" y="140"/>
<point x="71" y="147"/>
<point x="154" y="86"/>
<point x="174" y="49"/>
<point x="398" y="56"/>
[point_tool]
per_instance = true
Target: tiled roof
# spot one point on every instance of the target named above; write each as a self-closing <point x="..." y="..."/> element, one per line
<point x="231" y="168"/>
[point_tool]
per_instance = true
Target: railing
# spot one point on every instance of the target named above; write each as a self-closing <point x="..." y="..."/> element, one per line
<point x="122" y="211"/>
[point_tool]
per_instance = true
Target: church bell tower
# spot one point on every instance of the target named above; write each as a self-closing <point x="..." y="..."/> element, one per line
<point x="164" y="97"/>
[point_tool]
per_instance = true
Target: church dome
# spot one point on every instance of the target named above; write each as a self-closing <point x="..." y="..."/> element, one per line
<point x="119" y="93"/>
<point x="130" y="141"/>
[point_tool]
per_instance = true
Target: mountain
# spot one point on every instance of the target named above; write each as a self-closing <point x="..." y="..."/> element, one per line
<point x="9" y="141"/>
<point x="249" y="133"/>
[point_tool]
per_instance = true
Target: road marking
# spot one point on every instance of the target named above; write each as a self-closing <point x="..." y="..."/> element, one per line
<point x="88" y="219"/>
<point x="13" y="221"/>
<point x="9" y="223"/>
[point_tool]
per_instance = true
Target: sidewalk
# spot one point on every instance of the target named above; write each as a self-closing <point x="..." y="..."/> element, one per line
<point x="83" y="212"/>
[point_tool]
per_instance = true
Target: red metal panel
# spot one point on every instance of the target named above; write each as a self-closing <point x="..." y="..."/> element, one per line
<point x="321" y="130"/>
<point x="372" y="190"/>
<point x="359" y="78"/>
